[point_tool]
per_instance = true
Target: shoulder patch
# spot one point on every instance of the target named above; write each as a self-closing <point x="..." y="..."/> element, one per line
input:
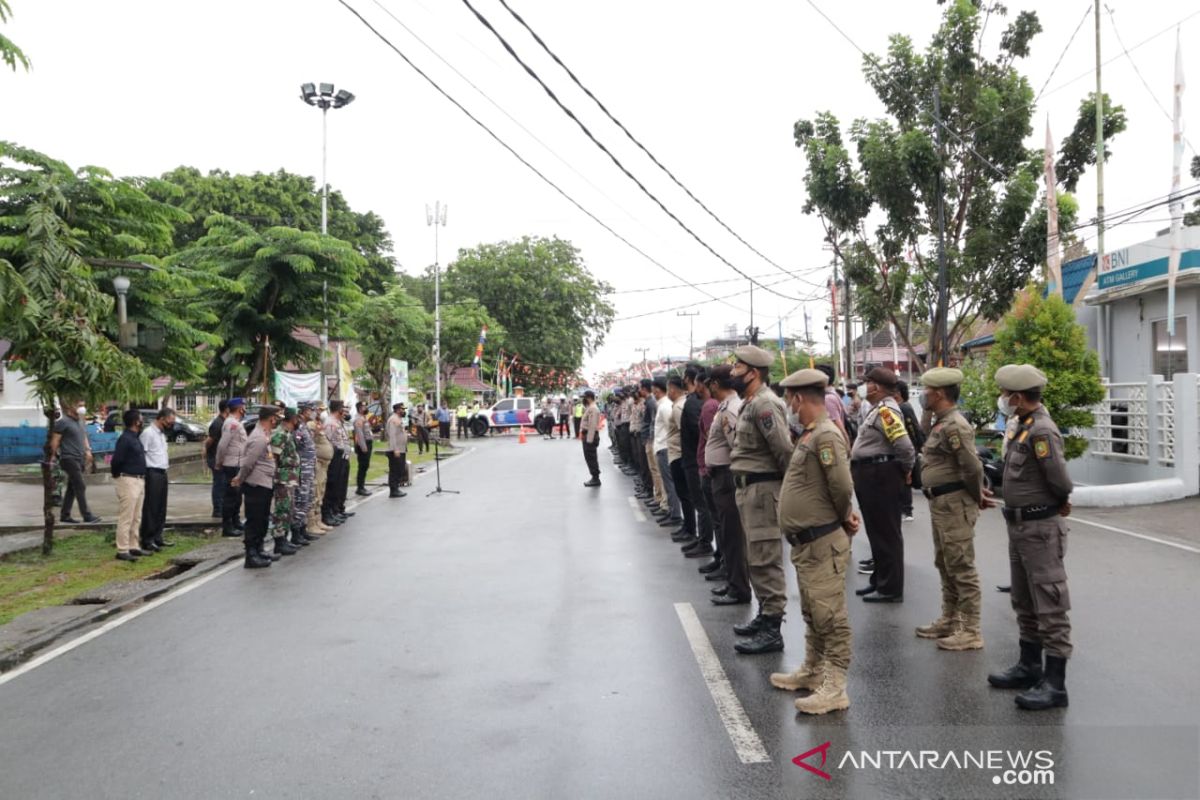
<point x="827" y="456"/>
<point x="893" y="425"/>
<point x="767" y="420"/>
<point x="955" y="441"/>
<point x="1041" y="446"/>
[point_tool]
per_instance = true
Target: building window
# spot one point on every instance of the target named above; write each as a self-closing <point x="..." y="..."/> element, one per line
<point x="1170" y="352"/>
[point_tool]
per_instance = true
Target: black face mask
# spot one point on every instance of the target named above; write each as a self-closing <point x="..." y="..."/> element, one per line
<point x="739" y="383"/>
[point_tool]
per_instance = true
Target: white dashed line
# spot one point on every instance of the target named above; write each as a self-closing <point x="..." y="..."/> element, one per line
<point x="746" y="742"/>
<point x="1178" y="545"/>
<point x="637" y="509"/>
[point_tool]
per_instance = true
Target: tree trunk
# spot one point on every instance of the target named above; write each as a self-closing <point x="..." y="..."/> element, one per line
<point x="48" y="484"/>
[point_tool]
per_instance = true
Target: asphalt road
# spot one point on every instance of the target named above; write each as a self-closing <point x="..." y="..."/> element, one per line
<point x="524" y="640"/>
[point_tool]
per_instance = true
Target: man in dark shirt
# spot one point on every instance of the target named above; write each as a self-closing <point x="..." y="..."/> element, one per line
<point x="210" y="457"/>
<point x="689" y="435"/>
<point x="69" y="443"/>
<point x="129" y="475"/>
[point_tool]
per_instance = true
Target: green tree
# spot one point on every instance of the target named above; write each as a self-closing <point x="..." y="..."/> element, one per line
<point x="876" y="189"/>
<point x="977" y="395"/>
<point x="277" y="279"/>
<point x="53" y="313"/>
<point x="1193" y="217"/>
<point x="1043" y="332"/>
<point x="9" y="52"/>
<point x="540" y="290"/>
<point x="277" y="199"/>
<point x="115" y="219"/>
<point x="390" y="325"/>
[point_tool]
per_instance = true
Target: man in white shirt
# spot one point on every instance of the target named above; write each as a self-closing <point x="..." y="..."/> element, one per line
<point x="671" y="515"/>
<point x="154" y="502"/>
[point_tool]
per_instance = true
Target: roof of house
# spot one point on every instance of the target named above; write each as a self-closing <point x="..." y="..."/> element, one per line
<point x="468" y="378"/>
<point x="1074" y="273"/>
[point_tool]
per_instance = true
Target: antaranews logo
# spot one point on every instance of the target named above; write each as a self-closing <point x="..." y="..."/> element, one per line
<point x="1007" y="767"/>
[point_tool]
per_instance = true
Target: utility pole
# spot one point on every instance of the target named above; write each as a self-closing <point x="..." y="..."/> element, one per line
<point x="437" y="218"/>
<point x="643" y="351"/>
<point x="691" y="315"/>
<point x="943" y="329"/>
<point x="1099" y="156"/>
<point x="833" y="327"/>
<point x="851" y="370"/>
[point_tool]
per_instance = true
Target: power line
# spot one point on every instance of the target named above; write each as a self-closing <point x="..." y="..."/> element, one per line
<point x="635" y="140"/>
<point x="1117" y="31"/>
<point x="1061" y="55"/>
<point x="520" y="158"/>
<point x="616" y="161"/>
<point x="705" y="302"/>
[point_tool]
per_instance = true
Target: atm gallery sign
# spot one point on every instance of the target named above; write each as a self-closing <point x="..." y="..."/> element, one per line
<point x="1146" y="262"/>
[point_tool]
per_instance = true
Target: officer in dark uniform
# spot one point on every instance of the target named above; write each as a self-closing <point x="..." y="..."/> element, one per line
<point x="1037" y="493"/>
<point x="882" y="462"/>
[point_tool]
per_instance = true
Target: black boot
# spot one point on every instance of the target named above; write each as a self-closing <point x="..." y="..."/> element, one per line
<point x="767" y="640"/>
<point x="255" y="561"/>
<point x="750" y="628"/>
<point x="298" y="539"/>
<point x="283" y="548"/>
<point x="305" y="535"/>
<point x="1025" y="674"/>
<point x="1051" y="692"/>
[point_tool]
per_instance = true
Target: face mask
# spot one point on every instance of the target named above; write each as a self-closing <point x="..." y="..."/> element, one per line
<point x="739" y="382"/>
<point x="1004" y="407"/>
<point x="82" y="411"/>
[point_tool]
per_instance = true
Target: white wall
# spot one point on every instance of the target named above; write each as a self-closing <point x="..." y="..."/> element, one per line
<point x="17" y="406"/>
<point x="1131" y="333"/>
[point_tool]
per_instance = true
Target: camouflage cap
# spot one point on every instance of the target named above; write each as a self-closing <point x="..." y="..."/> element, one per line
<point x="805" y="378"/>
<point x="1020" y="377"/>
<point x="941" y="377"/>
<point x="754" y="356"/>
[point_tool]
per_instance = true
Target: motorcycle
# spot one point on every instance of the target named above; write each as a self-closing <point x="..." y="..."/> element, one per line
<point x="993" y="467"/>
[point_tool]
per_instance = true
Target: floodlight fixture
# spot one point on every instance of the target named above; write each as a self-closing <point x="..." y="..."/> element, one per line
<point x="343" y="98"/>
<point x="308" y="93"/>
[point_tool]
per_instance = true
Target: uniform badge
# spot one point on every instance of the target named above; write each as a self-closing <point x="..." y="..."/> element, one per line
<point x="767" y="420"/>
<point x="893" y="426"/>
<point x="955" y="442"/>
<point x="827" y="455"/>
<point x="1041" y="446"/>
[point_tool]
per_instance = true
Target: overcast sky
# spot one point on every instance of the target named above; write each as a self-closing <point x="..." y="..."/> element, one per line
<point x="142" y="86"/>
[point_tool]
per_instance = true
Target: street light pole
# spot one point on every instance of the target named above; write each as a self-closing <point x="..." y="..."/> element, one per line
<point x="691" y="315"/>
<point x="437" y="218"/>
<point x="324" y="99"/>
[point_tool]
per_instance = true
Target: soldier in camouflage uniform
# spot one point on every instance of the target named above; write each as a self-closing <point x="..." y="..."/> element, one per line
<point x="307" y="450"/>
<point x="287" y="478"/>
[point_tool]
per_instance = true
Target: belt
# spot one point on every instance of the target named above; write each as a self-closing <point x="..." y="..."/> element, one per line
<point x="806" y="535"/>
<point x="1028" y="513"/>
<point x="127" y="475"/>
<point x="945" y="488"/>
<point x="873" y="460"/>
<point x="718" y="469"/>
<point x="744" y="479"/>
<point x="156" y="470"/>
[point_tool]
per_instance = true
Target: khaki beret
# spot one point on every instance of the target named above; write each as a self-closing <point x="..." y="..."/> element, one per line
<point x="1020" y="377"/>
<point x="941" y="377"/>
<point x="805" y="377"/>
<point x="754" y="356"/>
<point x="883" y="376"/>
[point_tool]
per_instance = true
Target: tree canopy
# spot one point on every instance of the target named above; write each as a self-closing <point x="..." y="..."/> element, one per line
<point x="875" y="185"/>
<point x="9" y="52"/>
<point x="391" y="325"/>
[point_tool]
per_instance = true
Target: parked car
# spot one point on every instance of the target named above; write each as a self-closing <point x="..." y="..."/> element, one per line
<point x="184" y="430"/>
<point x="510" y="412"/>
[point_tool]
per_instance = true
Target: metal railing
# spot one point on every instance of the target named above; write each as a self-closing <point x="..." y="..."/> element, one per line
<point x="1121" y="430"/>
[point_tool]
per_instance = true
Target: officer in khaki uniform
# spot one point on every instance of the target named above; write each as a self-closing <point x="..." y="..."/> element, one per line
<point x="816" y="517"/>
<point x="762" y="448"/>
<point x="953" y="479"/>
<point x="1037" y="492"/>
<point x="590" y="433"/>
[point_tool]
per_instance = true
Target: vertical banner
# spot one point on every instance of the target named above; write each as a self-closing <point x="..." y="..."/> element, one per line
<point x="1053" y="252"/>
<point x="345" y="378"/>
<point x="1176" y="200"/>
<point x="398" y="372"/>
<point x="479" y="347"/>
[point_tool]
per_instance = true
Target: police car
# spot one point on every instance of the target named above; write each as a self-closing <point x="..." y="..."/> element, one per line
<point x="511" y="412"/>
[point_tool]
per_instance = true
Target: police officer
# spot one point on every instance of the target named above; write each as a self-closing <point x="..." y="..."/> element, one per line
<point x="761" y="449"/>
<point x="590" y="431"/>
<point x="1037" y="492"/>
<point x="953" y="481"/>
<point x="882" y="462"/>
<point x="817" y="519"/>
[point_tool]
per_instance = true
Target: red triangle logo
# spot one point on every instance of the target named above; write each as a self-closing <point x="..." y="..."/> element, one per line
<point x="824" y="751"/>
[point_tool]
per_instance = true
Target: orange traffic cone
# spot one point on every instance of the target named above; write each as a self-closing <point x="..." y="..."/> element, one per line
<point x="521" y="440"/>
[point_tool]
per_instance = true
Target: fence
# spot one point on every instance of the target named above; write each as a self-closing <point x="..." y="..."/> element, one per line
<point x="1150" y="429"/>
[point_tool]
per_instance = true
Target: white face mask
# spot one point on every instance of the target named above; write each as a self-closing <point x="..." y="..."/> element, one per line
<point x="1004" y="408"/>
<point x="82" y="411"/>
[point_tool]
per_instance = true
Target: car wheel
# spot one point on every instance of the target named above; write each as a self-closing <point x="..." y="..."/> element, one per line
<point x="479" y="426"/>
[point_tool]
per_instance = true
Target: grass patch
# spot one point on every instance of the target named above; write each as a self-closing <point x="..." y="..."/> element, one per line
<point x="29" y="580"/>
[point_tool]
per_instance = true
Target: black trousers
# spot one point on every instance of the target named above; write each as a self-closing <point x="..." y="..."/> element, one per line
<point x="364" y="463"/>
<point x="730" y="536"/>
<point x="258" y="512"/>
<point x="396" y="470"/>
<point x="679" y="476"/>
<point x="643" y="463"/>
<point x="564" y="427"/>
<point x="877" y="487"/>
<point x="578" y="421"/>
<point x="444" y="429"/>
<point x="704" y="525"/>
<point x="461" y="432"/>
<point x="906" y="500"/>
<point x="623" y="444"/>
<point x="589" y="457"/>
<point x="76" y="488"/>
<point x="231" y="505"/>
<point x="218" y="488"/>
<point x="714" y="514"/>
<point x="154" y="507"/>
<point x="422" y="439"/>
<point x="336" y="483"/>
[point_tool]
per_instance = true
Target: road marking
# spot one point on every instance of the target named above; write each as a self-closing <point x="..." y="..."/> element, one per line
<point x="1178" y="545"/>
<point x="637" y="509"/>
<point x="50" y="655"/>
<point x="745" y="739"/>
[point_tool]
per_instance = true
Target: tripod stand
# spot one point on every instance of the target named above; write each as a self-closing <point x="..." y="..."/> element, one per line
<point x="437" y="468"/>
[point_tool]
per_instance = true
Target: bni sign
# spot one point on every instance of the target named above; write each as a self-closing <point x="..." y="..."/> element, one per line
<point x="1146" y="262"/>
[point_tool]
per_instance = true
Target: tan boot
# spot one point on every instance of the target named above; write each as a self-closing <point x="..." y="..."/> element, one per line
<point x="829" y="696"/>
<point x="808" y="676"/>
<point x="943" y="626"/>
<point x="964" y="637"/>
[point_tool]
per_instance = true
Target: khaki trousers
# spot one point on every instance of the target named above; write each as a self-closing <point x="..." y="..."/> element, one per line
<point x="130" y="492"/>
<point x="660" y="493"/>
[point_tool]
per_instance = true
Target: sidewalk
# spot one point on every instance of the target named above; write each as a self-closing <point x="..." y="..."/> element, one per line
<point x="21" y="505"/>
